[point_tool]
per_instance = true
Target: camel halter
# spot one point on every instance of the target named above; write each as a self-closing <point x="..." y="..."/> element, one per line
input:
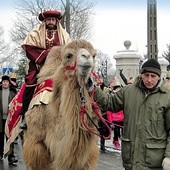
<point x="94" y="105"/>
<point x="72" y="67"/>
<point x="69" y="68"/>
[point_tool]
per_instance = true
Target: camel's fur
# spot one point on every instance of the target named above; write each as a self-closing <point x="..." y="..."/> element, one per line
<point x="55" y="138"/>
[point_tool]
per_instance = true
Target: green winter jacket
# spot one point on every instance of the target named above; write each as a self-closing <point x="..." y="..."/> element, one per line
<point x="146" y="133"/>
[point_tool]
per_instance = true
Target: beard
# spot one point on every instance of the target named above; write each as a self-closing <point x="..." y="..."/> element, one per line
<point x="51" y="27"/>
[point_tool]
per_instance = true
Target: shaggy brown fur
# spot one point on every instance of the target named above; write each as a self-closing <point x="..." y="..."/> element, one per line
<point x="55" y="138"/>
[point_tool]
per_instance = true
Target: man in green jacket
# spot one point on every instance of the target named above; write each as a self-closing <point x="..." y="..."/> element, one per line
<point x="146" y="106"/>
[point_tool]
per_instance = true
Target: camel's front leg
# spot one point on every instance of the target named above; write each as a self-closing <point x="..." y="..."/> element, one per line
<point x="35" y="153"/>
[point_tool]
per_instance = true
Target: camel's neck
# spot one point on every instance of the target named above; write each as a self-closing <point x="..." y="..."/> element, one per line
<point x="70" y="108"/>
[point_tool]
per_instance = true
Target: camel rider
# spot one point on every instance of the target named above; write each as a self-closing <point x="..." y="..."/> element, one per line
<point x="36" y="45"/>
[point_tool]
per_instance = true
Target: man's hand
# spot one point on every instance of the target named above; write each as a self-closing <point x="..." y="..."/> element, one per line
<point x="89" y="85"/>
<point x="166" y="163"/>
<point x="120" y="70"/>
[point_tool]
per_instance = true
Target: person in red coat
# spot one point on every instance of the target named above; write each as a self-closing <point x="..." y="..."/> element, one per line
<point x="37" y="45"/>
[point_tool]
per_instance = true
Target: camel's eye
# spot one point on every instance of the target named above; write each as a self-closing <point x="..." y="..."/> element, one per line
<point x="94" y="55"/>
<point x="69" y="56"/>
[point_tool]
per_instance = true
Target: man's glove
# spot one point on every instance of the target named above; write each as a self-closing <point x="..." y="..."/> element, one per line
<point x="89" y="85"/>
<point x="166" y="163"/>
<point x="120" y="71"/>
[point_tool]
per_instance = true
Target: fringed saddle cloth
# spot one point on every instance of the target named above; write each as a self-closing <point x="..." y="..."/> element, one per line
<point x="42" y="93"/>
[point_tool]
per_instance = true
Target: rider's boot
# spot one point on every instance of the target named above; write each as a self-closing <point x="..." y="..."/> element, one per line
<point x="23" y="124"/>
<point x="27" y="96"/>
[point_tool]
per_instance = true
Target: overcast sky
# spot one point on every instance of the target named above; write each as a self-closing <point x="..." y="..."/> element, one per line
<point x="116" y="21"/>
<point x="120" y="20"/>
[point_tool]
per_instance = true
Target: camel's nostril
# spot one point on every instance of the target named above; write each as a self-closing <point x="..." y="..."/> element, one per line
<point x="85" y="56"/>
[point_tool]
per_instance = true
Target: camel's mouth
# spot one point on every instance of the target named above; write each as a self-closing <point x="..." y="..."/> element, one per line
<point x="84" y="63"/>
<point x="84" y="70"/>
<point x="86" y="67"/>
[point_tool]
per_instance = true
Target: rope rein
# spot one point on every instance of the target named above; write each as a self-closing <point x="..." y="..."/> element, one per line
<point x="96" y="110"/>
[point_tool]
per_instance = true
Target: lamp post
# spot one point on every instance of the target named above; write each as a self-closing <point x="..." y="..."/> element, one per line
<point x="102" y="71"/>
<point x="152" y="44"/>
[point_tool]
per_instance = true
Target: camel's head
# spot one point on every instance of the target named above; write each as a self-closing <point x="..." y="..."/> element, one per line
<point x="78" y="59"/>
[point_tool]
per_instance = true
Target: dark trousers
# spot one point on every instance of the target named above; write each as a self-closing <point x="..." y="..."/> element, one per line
<point x="102" y="143"/>
<point x="117" y="130"/>
<point x="27" y="96"/>
<point x="2" y="135"/>
<point x="104" y="131"/>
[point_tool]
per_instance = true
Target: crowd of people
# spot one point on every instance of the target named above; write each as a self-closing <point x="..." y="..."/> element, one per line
<point x="138" y="113"/>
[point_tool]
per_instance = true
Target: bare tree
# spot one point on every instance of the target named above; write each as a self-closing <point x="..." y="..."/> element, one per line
<point x="166" y="55"/>
<point x="7" y="57"/>
<point x="105" y="67"/>
<point x="79" y="18"/>
<point x="4" y="47"/>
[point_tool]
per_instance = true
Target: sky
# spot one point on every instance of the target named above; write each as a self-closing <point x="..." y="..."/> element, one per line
<point x="114" y="22"/>
<point x="120" y="20"/>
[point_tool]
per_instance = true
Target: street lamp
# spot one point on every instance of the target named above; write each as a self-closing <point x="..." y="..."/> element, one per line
<point x="102" y="71"/>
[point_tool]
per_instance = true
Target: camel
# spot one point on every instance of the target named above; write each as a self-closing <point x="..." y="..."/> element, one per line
<point x="56" y="138"/>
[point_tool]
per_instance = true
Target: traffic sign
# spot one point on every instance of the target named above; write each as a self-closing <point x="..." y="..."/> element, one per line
<point x="7" y="71"/>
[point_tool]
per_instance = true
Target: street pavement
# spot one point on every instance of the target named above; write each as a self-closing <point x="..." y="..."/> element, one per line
<point x="18" y="153"/>
<point x="109" y="160"/>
